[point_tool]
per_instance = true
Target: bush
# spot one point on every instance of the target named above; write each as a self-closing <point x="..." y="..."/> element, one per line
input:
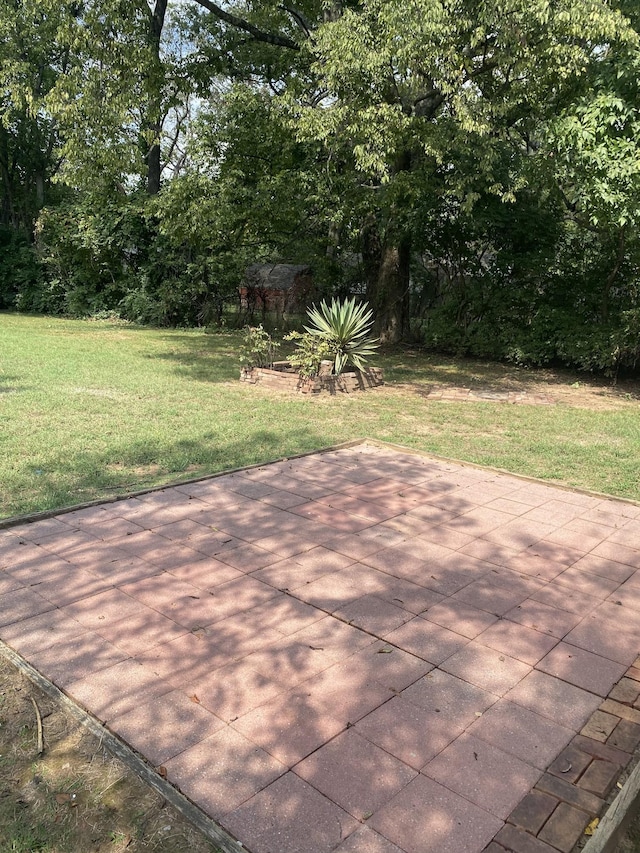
<point x="309" y="352"/>
<point x="20" y="269"/>
<point x="344" y="327"/>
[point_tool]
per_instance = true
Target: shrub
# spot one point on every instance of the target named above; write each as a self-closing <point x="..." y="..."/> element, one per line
<point x="309" y="352"/>
<point x="258" y="348"/>
<point x="345" y="327"/>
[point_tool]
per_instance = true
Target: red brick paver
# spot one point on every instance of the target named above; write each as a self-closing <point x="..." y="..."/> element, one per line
<point x="361" y="651"/>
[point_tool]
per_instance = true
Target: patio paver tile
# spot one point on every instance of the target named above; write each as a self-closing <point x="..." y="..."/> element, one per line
<point x="342" y="700"/>
<point x="543" y="617"/>
<point x="547" y="695"/>
<point x="355" y="774"/>
<point x="145" y="629"/>
<point x="185" y="659"/>
<point x="288" y="727"/>
<point x="289" y="574"/>
<point x="595" y="635"/>
<point x="365" y="840"/>
<point x="75" y="658"/>
<point x="373" y="614"/>
<point x="427" y="640"/>
<point x="165" y="726"/>
<point x="582" y="668"/>
<point x="484" y="774"/>
<point x="20" y="604"/>
<point x="456" y="700"/>
<point x="234" y="689"/>
<point x="460" y="617"/>
<point x="406" y="731"/>
<point x="517" y="640"/>
<point x="451" y="824"/>
<point x="42" y="631"/>
<point x="223" y="771"/>
<point x="486" y="668"/>
<point x="522" y="733"/>
<point x="594" y="585"/>
<point x="595" y="565"/>
<point x="206" y="573"/>
<point x="564" y="598"/>
<point x="289" y="816"/>
<point x="117" y="689"/>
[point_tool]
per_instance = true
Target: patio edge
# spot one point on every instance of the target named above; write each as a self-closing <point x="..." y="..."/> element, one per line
<point x="195" y="816"/>
<point x="30" y="518"/>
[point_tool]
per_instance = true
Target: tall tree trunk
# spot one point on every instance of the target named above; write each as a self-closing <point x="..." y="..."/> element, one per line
<point x="388" y="290"/>
<point x="7" y="207"/>
<point x="153" y="123"/>
<point x="387" y="261"/>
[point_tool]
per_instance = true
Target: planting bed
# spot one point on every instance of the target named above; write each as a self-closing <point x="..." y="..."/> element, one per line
<point x="282" y="376"/>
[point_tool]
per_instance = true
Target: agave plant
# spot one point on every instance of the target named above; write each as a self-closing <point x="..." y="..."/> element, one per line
<point x="345" y="326"/>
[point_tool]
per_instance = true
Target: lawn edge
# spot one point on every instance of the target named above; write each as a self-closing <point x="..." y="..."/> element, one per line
<point x="29" y="518"/>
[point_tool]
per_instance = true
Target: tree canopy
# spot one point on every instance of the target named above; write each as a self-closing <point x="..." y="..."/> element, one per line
<point x="471" y="169"/>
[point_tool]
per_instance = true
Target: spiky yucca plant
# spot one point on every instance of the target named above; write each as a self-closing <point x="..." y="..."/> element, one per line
<point x="345" y="326"/>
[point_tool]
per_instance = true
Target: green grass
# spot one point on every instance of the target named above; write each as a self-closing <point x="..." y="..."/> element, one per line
<point x="91" y="409"/>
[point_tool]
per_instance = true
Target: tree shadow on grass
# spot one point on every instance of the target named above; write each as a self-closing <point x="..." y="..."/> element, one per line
<point x="205" y="358"/>
<point x="55" y="483"/>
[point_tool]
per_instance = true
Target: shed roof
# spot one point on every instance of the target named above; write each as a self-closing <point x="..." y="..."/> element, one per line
<point x="275" y="276"/>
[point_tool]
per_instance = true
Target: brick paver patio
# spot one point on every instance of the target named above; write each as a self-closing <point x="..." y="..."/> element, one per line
<point x="362" y="651"/>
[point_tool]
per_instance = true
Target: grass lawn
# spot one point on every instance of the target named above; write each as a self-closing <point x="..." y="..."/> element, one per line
<point x="92" y="409"/>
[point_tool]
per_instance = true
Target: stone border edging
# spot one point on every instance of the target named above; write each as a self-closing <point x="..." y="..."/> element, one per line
<point x="29" y="518"/>
<point x="617" y="818"/>
<point x="577" y="786"/>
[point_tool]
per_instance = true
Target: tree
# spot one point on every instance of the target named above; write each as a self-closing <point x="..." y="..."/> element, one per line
<point x="393" y="89"/>
<point x="31" y="62"/>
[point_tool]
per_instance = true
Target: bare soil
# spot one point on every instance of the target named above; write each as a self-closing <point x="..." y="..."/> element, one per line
<point x="565" y="387"/>
<point x="74" y="797"/>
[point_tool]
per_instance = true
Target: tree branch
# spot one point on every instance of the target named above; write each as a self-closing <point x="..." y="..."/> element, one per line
<point x="299" y="19"/>
<point x="240" y="24"/>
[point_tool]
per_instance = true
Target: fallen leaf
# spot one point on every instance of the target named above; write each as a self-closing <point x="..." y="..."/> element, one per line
<point x="385" y="651"/>
<point x="195" y="699"/>
<point x="591" y="828"/>
<point x="162" y="771"/>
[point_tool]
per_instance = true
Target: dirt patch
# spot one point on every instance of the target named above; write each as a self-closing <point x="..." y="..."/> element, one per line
<point x="477" y="380"/>
<point x="74" y="796"/>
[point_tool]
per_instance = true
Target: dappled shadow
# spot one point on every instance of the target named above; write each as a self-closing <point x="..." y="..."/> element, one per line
<point x="93" y="475"/>
<point x="9" y="384"/>
<point x="308" y="645"/>
<point x="424" y="372"/>
<point x="203" y="357"/>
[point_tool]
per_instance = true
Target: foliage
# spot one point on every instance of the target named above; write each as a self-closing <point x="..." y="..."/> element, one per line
<point x="311" y="349"/>
<point x="345" y="326"/>
<point x="471" y="170"/>
<point x="127" y="254"/>
<point x="258" y="348"/>
<point x="20" y="270"/>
